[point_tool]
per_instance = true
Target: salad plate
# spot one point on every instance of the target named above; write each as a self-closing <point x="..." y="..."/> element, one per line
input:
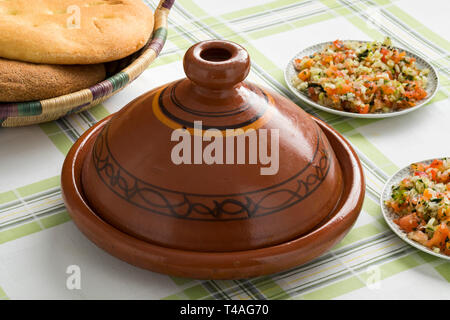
<point x="389" y="215"/>
<point x="290" y="73"/>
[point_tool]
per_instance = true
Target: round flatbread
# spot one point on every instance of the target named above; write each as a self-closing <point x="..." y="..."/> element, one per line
<point x="23" y="81"/>
<point x="73" y="31"/>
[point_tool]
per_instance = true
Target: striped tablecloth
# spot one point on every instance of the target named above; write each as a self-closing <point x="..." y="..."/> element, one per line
<point x="39" y="243"/>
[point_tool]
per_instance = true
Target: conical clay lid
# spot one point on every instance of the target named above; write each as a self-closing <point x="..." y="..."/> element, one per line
<point x="211" y="162"/>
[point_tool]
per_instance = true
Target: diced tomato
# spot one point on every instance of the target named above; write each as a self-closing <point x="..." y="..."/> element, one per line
<point x="388" y="89"/>
<point x="338" y="44"/>
<point x="409" y="222"/>
<point x="447" y="248"/>
<point x="397" y="57"/>
<point x="364" y="109"/>
<point x="326" y="59"/>
<point x="308" y="63"/>
<point x="443" y="213"/>
<point x="312" y="94"/>
<point x="333" y="72"/>
<point x="433" y="174"/>
<point x="304" y="74"/>
<point x="411" y="60"/>
<point x="420" y="173"/>
<point x="405" y="181"/>
<point x="339" y="57"/>
<point x="418" y="166"/>
<point x="335" y="98"/>
<point x="436" y="163"/>
<point x="349" y="52"/>
<point x="343" y="89"/>
<point x="439" y="237"/>
<point x="409" y="94"/>
<point x="444" y="177"/>
<point x="330" y="91"/>
<point x="427" y="194"/>
<point x="384" y="52"/>
<point x="420" y="93"/>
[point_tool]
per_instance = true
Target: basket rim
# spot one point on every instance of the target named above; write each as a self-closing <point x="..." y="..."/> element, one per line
<point x="77" y="100"/>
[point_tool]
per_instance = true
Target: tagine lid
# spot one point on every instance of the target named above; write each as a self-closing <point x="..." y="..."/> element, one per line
<point x="169" y="168"/>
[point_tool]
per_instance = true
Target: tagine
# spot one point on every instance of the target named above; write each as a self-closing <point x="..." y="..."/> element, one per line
<point x="211" y="165"/>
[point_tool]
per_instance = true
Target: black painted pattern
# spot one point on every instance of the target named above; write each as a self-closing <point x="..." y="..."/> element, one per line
<point x="211" y="207"/>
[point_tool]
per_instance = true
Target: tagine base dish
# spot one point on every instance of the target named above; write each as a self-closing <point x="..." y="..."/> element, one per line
<point x="215" y="265"/>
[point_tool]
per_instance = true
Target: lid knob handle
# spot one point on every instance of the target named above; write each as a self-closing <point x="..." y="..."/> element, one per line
<point x="216" y="64"/>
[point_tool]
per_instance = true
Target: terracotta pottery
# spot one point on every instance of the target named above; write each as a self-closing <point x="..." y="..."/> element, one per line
<point x="132" y="182"/>
<point x="279" y="188"/>
<point x="214" y="265"/>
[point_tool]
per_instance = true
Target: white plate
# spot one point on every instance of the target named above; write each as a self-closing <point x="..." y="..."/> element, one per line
<point x="290" y="73"/>
<point x="389" y="215"/>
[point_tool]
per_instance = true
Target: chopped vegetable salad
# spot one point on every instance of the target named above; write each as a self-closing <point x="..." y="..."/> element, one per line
<point x="422" y="205"/>
<point x="361" y="77"/>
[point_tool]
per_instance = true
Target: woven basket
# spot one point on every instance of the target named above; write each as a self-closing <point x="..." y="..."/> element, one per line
<point x="124" y="72"/>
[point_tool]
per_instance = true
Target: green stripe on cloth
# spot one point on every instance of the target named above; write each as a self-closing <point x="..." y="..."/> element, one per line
<point x="444" y="270"/>
<point x="181" y="281"/>
<point x="419" y="27"/>
<point x="99" y="112"/>
<point x="50" y="128"/>
<point x="193" y="8"/>
<point x="245" y="12"/>
<point x="382" y="223"/>
<point x="382" y="2"/>
<point x="355" y="20"/>
<point x="31" y="189"/>
<point x="357" y="234"/>
<point x="356" y="282"/>
<point x="33" y="227"/>
<point x="339" y="9"/>
<point x="40" y="186"/>
<point x="258" y="9"/>
<point x="334" y="290"/>
<point x="3" y="295"/>
<point x="165" y="59"/>
<point x="283" y="27"/>
<point x="270" y="289"/>
<point x="373" y="153"/>
<point x="178" y="39"/>
<point x="265" y="32"/>
<point x="19" y="232"/>
<point x="55" y="220"/>
<point x="61" y="142"/>
<point x="7" y="196"/>
<point x="343" y="127"/>
<point x="58" y="138"/>
<point x="440" y="95"/>
<point x="193" y="293"/>
<point x="372" y="208"/>
<point x="426" y="257"/>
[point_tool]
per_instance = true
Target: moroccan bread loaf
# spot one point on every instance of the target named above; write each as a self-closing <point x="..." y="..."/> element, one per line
<point x="73" y="31"/>
<point x="22" y="81"/>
